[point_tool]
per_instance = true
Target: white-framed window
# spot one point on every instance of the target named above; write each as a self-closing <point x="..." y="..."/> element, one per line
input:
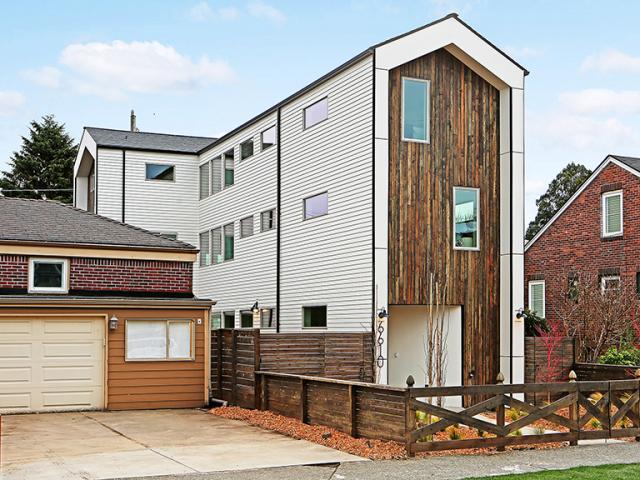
<point x="246" y="227"/>
<point x="229" y="319"/>
<point x="609" y="283"/>
<point x="229" y="169"/>
<point x="229" y="242"/>
<point x="267" y="318"/>
<point x="268" y="220"/>
<point x="316" y="205"/>
<point x="160" y="172"/>
<point x="537" y="298"/>
<point x="216" y="320"/>
<point x="466" y="218"/>
<point x="314" y="316"/>
<point x="48" y="275"/>
<point x="155" y="340"/>
<point x="216" y="245"/>
<point x="205" y="249"/>
<point x="316" y="112"/>
<point x="268" y="137"/>
<point x="246" y="319"/>
<point x="246" y="149"/>
<point x="415" y="109"/>
<point x="205" y="178"/>
<point x="612" y="214"/>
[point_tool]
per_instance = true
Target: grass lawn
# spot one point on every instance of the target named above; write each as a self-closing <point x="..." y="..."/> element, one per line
<point x="610" y="472"/>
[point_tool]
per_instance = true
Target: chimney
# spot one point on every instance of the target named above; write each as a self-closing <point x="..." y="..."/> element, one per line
<point x="134" y="128"/>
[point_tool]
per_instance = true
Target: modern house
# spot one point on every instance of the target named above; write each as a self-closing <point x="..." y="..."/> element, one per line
<point x="330" y="210"/>
<point x="95" y="314"/>
<point x="595" y="233"/>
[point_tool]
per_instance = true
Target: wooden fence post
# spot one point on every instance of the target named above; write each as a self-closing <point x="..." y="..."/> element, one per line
<point x="500" y="420"/>
<point x="409" y="417"/>
<point x="256" y="367"/>
<point x="234" y="367"/>
<point x="353" y="418"/>
<point x="219" y="366"/>
<point x="637" y="409"/>
<point x="264" y="392"/>
<point x="303" y="400"/>
<point x="574" y="410"/>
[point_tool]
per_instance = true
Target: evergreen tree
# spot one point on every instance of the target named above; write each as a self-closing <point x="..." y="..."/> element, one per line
<point x="45" y="161"/>
<point x="558" y="193"/>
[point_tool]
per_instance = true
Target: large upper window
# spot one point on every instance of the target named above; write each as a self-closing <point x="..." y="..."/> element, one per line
<point x="155" y="171"/>
<point x="204" y="180"/>
<point x="314" y="316"/>
<point x="246" y="149"/>
<point x="159" y="340"/>
<point x="537" y="298"/>
<point x="216" y="245"/>
<point x="612" y="214"/>
<point x="268" y="137"/>
<point x="205" y="249"/>
<point x="415" y="110"/>
<point x="316" y="206"/>
<point x="316" y="113"/>
<point x="466" y="218"/>
<point x="48" y="275"/>
<point x="229" y="172"/>
<point x="228" y="242"/>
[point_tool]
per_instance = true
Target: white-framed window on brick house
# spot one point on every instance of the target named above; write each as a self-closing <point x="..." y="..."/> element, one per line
<point x="466" y="218"/>
<point x="246" y="227"/>
<point x="268" y="220"/>
<point x="205" y="249"/>
<point x="612" y="218"/>
<point x="156" y="340"/>
<point x="609" y="283"/>
<point x="316" y="112"/>
<point x="537" y="297"/>
<point x="48" y="275"/>
<point x="415" y="109"/>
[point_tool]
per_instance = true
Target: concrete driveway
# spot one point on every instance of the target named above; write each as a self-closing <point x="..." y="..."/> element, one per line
<point x="103" y="445"/>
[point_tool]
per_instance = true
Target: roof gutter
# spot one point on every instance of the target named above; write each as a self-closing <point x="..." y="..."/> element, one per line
<point x="97" y="246"/>
<point x="6" y="302"/>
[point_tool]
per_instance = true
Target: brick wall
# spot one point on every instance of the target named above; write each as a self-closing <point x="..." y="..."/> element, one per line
<point x="100" y="275"/>
<point x="574" y="243"/>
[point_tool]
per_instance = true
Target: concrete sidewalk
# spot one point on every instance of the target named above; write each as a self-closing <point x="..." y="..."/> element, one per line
<point x="443" y="468"/>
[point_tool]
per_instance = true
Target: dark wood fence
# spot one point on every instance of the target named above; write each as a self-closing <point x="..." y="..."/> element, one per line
<point x="539" y="368"/>
<point x="600" y="371"/>
<point x="237" y="354"/>
<point x="357" y="408"/>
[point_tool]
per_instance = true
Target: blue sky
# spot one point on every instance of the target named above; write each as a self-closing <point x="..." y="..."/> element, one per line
<point x="204" y="67"/>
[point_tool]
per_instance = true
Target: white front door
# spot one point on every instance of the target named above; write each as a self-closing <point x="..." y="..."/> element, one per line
<point x="51" y="363"/>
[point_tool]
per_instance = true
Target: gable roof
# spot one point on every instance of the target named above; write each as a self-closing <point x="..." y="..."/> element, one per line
<point x="45" y="222"/>
<point x="106" y="137"/>
<point x="631" y="164"/>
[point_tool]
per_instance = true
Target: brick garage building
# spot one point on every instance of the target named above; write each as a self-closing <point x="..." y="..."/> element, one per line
<point x="597" y="232"/>
<point x="96" y="314"/>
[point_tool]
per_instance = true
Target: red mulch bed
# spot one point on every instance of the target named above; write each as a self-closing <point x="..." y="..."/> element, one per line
<point x="362" y="447"/>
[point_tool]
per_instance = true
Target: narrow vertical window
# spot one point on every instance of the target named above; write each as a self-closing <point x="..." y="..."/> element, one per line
<point x="415" y="110"/>
<point x="229" y="171"/>
<point x="537" y="297"/>
<point x="228" y="242"/>
<point x="216" y="175"/>
<point x="205" y="257"/>
<point x="216" y="245"/>
<point x="204" y="180"/>
<point x="466" y="218"/>
<point x="268" y="220"/>
<point x="612" y="214"/>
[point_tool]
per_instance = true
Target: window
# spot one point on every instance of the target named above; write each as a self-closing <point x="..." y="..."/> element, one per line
<point x="216" y="320"/>
<point x="48" y="275"/>
<point x="415" y="110"/>
<point x="267" y="318"/>
<point x="229" y="319"/>
<point x="170" y="236"/>
<point x="314" y="316"/>
<point x="205" y="178"/>
<point x="316" y="113"/>
<point x="246" y="149"/>
<point x="610" y="283"/>
<point x="316" y="206"/>
<point x="466" y="218"/>
<point x="228" y="242"/>
<point x="573" y="287"/>
<point x="638" y="283"/>
<point x="229" y="173"/>
<point x="268" y="220"/>
<point x="216" y="245"/>
<point x="612" y="214"/>
<point x="91" y="200"/>
<point x="246" y="319"/>
<point x="159" y="340"/>
<point x="216" y="175"/>
<point x="205" y="249"/>
<point x="268" y="137"/>
<point x="537" y="297"/>
<point x="155" y="171"/>
<point x="246" y="227"/>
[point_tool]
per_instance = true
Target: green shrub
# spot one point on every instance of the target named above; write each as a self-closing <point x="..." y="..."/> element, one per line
<point x="533" y="324"/>
<point x="624" y="356"/>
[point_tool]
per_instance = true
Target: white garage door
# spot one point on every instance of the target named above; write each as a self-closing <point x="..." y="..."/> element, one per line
<point x="51" y="363"/>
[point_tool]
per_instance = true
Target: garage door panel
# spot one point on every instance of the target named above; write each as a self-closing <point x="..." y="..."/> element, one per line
<point x="15" y="327"/>
<point x="14" y="375"/>
<point x="68" y="350"/>
<point x="53" y="327"/>
<point x="15" y="351"/>
<point x="68" y="399"/>
<point x="15" y="401"/>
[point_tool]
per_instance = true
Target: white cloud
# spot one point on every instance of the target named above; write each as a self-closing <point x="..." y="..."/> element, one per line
<point x="599" y="100"/>
<point x="203" y="12"/>
<point x="524" y="52"/>
<point x="112" y="70"/>
<point x="612" y="60"/>
<point x="10" y="101"/>
<point x="45" y="77"/>
<point x="262" y="10"/>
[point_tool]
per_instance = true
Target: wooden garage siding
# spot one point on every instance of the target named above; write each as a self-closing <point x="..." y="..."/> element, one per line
<point x="164" y="384"/>
<point x="463" y="151"/>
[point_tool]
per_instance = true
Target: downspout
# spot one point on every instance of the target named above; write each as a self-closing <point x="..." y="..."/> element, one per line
<point x="124" y="164"/>
<point x="373" y="207"/>
<point x="278" y="204"/>
<point x="511" y="235"/>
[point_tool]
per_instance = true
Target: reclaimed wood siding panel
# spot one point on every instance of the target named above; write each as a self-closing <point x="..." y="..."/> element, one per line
<point x="463" y="151"/>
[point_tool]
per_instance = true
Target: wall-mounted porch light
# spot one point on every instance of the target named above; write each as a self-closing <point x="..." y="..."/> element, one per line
<point x="256" y="308"/>
<point x="113" y="323"/>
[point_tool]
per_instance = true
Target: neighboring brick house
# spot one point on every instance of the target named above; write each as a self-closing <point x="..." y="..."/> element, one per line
<point x="596" y="232"/>
<point x="96" y="314"/>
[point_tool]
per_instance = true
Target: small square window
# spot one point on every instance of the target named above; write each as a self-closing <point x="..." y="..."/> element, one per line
<point x="229" y="319"/>
<point x="246" y="149"/>
<point x="155" y="171"/>
<point x="316" y="206"/>
<point x="610" y="283"/>
<point x="48" y="275"/>
<point x="216" y="320"/>
<point x="267" y="319"/>
<point x="268" y="137"/>
<point x="316" y="113"/>
<point x="268" y="220"/>
<point x="246" y="227"/>
<point x="612" y="214"/>
<point x="315" y="317"/>
<point x="246" y="319"/>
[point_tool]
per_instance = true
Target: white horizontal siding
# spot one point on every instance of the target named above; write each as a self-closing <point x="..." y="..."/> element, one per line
<point x="328" y="260"/>
<point x="109" y="183"/>
<point x="251" y="275"/>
